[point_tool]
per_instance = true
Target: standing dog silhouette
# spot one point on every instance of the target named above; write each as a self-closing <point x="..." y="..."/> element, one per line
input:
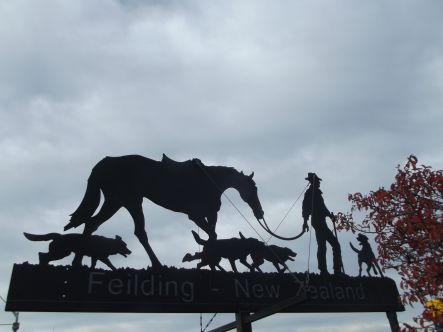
<point x="366" y="255"/>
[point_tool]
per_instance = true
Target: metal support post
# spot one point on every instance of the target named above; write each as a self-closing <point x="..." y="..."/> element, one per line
<point x="393" y="321"/>
<point x="243" y="324"/>
<point x="243" y="320"/>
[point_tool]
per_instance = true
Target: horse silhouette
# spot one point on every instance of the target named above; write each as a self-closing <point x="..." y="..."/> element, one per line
<point x="189" y="187"/>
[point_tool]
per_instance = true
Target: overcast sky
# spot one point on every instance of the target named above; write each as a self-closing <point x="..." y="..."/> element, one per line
<point x="346" y="89"/>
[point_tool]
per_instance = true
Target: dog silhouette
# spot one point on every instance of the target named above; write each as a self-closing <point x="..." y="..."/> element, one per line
<point x="274" y="254"/>
<point x="95" y="246"/>
<point x="366" y="255"/>
<point x="232" y="249"/>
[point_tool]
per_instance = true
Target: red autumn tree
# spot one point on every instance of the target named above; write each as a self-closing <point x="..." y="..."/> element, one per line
<point x="407" y="220"/>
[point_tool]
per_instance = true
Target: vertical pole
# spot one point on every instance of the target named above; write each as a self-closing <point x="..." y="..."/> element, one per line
<point x="16" y="324"/>
<point x="242" y="325"/>
<point x="393" y="321"/>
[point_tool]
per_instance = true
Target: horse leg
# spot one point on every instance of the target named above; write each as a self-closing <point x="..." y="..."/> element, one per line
<point x="204" y="225"/>
<point x="212" y="222"/>
<point x="136" y="212"/>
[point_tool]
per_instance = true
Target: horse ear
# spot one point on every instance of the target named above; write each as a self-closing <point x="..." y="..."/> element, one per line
<point x="242" y="173"/>
<point x="252" y="175"/>
<point x="118" y="237"/>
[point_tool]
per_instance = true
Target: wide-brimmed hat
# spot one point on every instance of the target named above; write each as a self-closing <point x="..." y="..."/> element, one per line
<point x="312" y="176"/>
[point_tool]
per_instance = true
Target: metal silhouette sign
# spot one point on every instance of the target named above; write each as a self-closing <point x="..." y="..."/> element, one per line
<point x="195" y="189"/>
<point x="57" y="288"/>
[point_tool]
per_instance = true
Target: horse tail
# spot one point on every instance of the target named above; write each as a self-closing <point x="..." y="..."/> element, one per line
<point x="43" y="237"/>
<point x="89" y="203"/>
<point x="198" y="239"/>
<point x="353" y="248"/>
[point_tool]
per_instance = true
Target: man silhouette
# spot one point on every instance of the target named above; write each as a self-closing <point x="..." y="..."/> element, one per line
<point x="314" y="206"/>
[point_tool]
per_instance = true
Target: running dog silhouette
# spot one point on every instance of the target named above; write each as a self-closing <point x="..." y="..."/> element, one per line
<point x="274" y="254"/>
<point x="232" y="249"/>
<point x="189" y="187"/>
<point x="366" y="255"/>
<point x="212" y="261"/>
<point x="95" y="246"/>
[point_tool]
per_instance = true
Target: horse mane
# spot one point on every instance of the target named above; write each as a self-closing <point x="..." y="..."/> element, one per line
<point x="190" y="165"/>
<point x="226" y="174"/>
<point x="171" y="162"/>
<point x="222" y="169"/>
<point x="216" y="174"/>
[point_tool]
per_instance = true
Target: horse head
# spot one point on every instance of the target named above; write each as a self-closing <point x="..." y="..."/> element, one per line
<point x="248" y="192"/>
